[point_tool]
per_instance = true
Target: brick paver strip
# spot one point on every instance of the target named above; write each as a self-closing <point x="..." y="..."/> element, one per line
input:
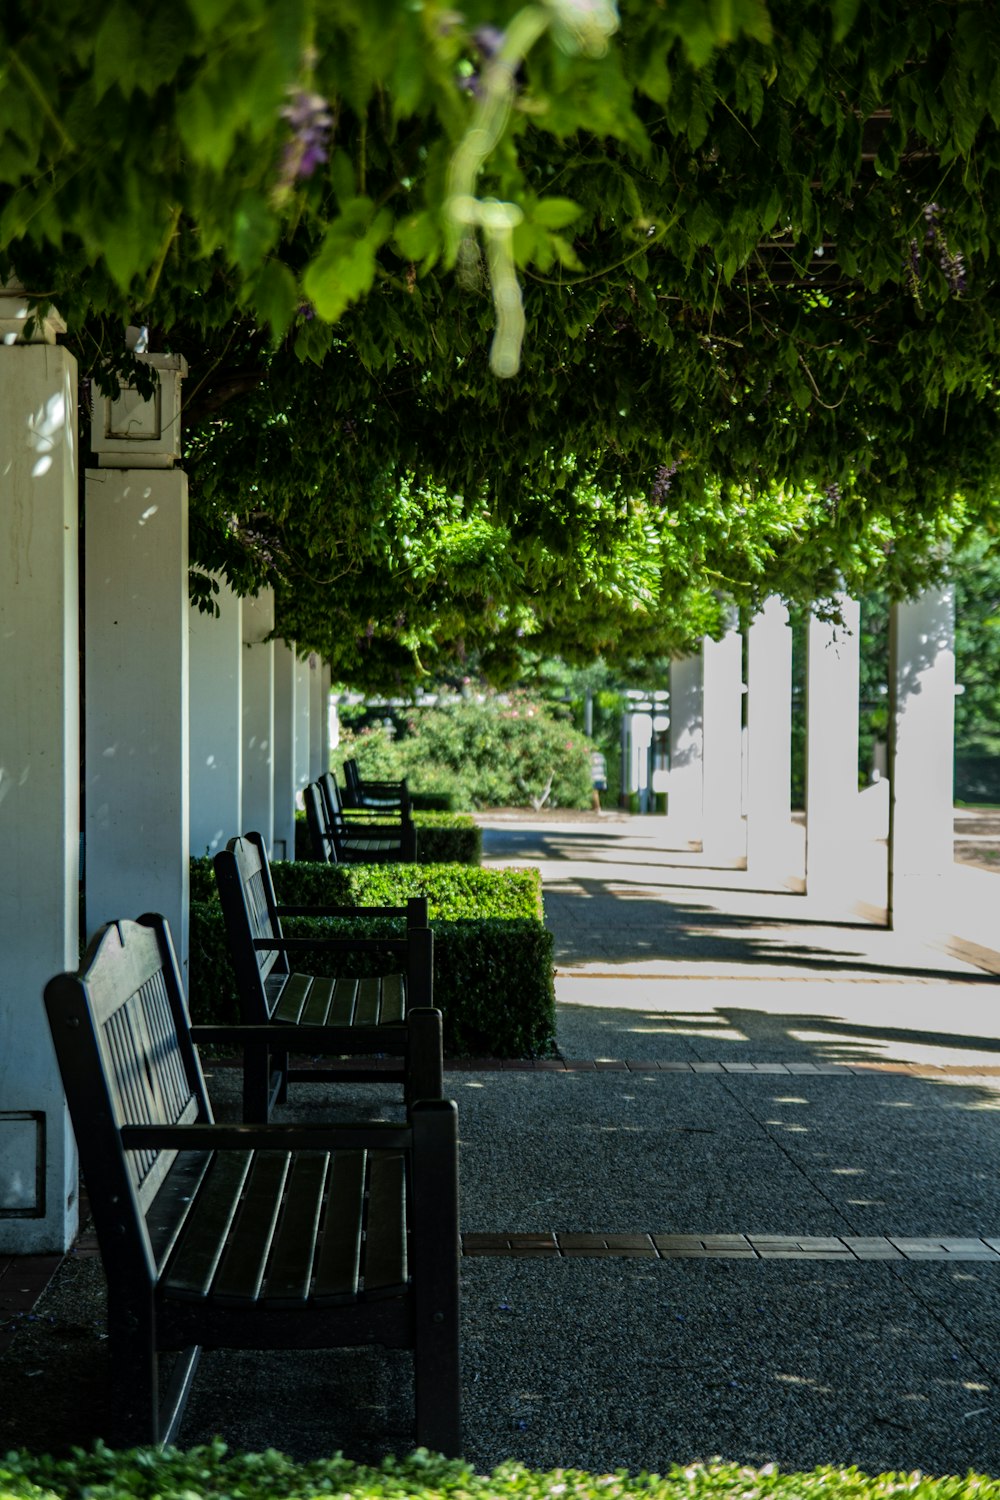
<point x="734" y="1247"/>
<point x="661" y="1065"/>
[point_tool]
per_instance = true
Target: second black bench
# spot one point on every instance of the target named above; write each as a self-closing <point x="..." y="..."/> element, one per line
<point x="385" y="1023"/>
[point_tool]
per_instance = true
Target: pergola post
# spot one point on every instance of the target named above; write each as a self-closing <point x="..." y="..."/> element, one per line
<point x="216" y="720"/>
<point x="684" y="803"/>
<point x="318" y="718"/>
<point x="303" y="726"/>
<point x="723" y="838"/>
<point x="921" y="758"/>
<point x="329" y="717"/>
<point x="258" y="716"/>
<point x="39" y="771"/>
<point x="769" y="733"/>
<point x="832" y="716"/>
<point x="286" y="712"/>
<point x="136" y="613"/>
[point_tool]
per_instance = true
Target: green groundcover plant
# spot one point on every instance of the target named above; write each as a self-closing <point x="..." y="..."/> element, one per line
<point x="213" y="1473"/>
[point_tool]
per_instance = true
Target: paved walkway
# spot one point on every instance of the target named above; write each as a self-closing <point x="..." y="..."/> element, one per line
<point x="753" y="1210"/>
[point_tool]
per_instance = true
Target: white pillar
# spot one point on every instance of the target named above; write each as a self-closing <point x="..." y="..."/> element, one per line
<point x="723" y="839"/>
<point x="303" y="726"/>
<point x="921" y="757"/>
<point x="770" y="852"/>
<point x="136" y="615"/>
<point x="318" y="718"/>
<point x="684" y="803"/>
<point x="39" y="774"/>
<point x="833" y="835"/>
<point x="258" y="716"/>
<point x="216" y="722"/>
<point x="285" y="714"/>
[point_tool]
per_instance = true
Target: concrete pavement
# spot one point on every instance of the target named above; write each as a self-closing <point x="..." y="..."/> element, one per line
<point x="753" y="1212"/>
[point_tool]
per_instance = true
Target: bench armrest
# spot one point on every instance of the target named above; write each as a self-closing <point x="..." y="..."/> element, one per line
<point x="282" y="1137"/>
<point x="348" y="944"/>
<point x="279" y="1034"/>
<point x="341" y="911"/>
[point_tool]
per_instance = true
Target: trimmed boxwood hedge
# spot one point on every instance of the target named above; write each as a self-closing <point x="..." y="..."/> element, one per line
<point x="493" y="970"/>
<point x="442" y="838"/>
<point x="451" y="890"/>
<point x="213" y="1473"/>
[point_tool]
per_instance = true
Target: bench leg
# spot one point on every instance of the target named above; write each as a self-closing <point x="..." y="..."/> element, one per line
<point x="435" y="1256"/>
<point x="135" y="1394"/>
<point x="425" y="1067"/>
<point x="256" y="1085"/>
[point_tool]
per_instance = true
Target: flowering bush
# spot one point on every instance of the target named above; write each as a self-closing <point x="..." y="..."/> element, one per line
<point x="506" y="752"/>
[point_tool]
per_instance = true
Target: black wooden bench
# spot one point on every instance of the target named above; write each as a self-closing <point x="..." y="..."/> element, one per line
<point x="381" y="796"/>
<point x="274" y="1236"/>
<point x="361" y="838"/>
<point x="385" y="1023"/>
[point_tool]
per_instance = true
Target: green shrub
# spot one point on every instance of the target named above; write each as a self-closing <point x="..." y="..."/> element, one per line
<point x="452" y="891"/>
<point x="506" y="752"/>
<point x="442" y="838"/>
<point x="432" y="801"/>
<point x="213" y="1473"/>
<point x="446" y="837"/>
<point x="493" y="973"/>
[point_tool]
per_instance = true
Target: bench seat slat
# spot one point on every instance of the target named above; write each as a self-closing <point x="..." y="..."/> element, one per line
<point x="289" y="1274"/>
<point x="385" y="1239"/>
<point x="241" y="1269"/>
<point x="393" y="1000"/>
<point x="193" y="1265"/>
<point x="294" y="996"/>
<point x="317" y="1007"/>
<point x="344" y="1003"/>
<point x="338" y="1263"/>
<point x="168" y="1212"/>
<point x="367" y="1013"/>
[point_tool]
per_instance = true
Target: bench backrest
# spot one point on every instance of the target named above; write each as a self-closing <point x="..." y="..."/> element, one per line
<point x="332" y="800"/>
<point x="122" y="1038"/>
<point x="246" y="892"/>
<point x="324" y="847"/>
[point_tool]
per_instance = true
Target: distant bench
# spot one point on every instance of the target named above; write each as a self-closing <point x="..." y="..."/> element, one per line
<point x="363" y="836"/>
<point x="244" y="1236"/>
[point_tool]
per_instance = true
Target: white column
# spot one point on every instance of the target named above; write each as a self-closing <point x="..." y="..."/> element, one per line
<point x="285" y="694"/>
<point x="258" y="716"/>
<point x="833" y="833"/>
<point x="318" y="718"/>
<point x="39" y="774"/>
<point x="723" y="839"/>
<point x="921" y="757"/>
<point x="216" y="722"/>
<point x="684" y="803"/>
<point x="303" y="726"/>
<point x="136" y="613"/>
<point x="770" y="853"/>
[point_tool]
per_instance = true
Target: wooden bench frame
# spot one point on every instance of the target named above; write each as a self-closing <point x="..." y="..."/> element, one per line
<point x="358" y="839"/>
<point x="388" y="1025"/>
<point x="381" y="796"/>
<point x="244" y="1237"/>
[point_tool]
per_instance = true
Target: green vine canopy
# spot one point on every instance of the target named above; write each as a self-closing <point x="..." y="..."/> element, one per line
<point x="551" y="326"/>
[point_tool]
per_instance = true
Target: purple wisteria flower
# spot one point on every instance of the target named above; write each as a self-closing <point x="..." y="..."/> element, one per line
<point x="951" y="262"/>
<point x="311" y="120"/>
<point x="661" y="484"/>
